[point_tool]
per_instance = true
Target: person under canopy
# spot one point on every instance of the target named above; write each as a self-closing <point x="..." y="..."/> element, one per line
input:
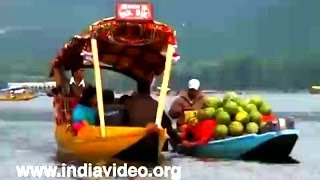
<point x="115" y="114"/>
<point x="77" y="82"/>
<point x="142" y="110"/>
<point x="85" y="112"/>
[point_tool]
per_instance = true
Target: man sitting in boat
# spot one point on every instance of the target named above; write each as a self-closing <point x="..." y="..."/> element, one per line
<point x="193" y="99"/>
<point x="115" y="114"/>
<point x="85" y="112"/>
<point x="77" y="82"/>
<point x="142" y="109"/>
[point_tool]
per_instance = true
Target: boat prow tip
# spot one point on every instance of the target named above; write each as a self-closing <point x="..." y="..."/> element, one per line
<point x="289" y="132"/>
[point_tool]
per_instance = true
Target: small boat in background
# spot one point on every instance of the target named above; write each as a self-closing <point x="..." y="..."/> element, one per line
<point x="314" y="89"/>
<point x="210" y="91"/>
<point x="42" y="88"/>
<point x="170" y="92"/>
<point x="17" y="94"/>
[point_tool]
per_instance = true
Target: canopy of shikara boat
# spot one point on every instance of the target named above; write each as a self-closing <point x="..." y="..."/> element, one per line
<point x="137" y="50"/>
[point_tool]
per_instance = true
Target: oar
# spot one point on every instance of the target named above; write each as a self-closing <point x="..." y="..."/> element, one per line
<point x="97" y="75"/>
<point x="316" y="87"/>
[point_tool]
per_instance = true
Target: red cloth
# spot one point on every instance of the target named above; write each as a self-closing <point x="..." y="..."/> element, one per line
<point x="73" y="103"/>
<point x="269" y="118"/>
<point x="202" y="132"/>
<point x="78" y="125"/>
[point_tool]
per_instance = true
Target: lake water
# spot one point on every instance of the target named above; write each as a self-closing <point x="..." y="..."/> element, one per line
<point x="26" y="138"/>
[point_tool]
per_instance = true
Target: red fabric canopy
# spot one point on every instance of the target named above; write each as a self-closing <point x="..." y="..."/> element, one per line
<point x="134" y="49"/>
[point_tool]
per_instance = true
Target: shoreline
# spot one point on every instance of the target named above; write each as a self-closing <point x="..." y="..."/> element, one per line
<point x="284" y="102"/>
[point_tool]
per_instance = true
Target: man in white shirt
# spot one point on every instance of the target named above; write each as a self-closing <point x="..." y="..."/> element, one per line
<point x="77" y="82"/>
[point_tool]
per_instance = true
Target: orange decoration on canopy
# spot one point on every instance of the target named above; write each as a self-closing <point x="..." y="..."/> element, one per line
<point x="123" y="41"/>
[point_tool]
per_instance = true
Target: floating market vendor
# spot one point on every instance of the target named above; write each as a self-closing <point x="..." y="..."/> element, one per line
<point x="193" y="99"/>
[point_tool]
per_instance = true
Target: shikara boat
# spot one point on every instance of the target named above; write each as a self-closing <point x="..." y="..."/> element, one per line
<point x="314" y="89"/>
<point x="41" y="88"/>
<point x="273" y="145"/>
<point x="131" y="44"/>
<point x="17" y="94"/>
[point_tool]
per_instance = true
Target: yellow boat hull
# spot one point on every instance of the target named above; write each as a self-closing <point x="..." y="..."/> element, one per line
<point x="25" y="98"/>
<point x="89" y="146"/>
<point x="313" y="90"/>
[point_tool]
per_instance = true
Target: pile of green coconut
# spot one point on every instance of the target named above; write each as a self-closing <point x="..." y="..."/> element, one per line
<point x="235" y="116"/>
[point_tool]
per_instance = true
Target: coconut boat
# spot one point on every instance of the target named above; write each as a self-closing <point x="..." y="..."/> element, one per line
<point x="273" y="143"/>
<point x="17" y="94"/>
<point x="133" y="44"/>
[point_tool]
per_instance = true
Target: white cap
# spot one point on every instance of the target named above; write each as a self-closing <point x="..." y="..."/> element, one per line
<point x="194" y="84"/>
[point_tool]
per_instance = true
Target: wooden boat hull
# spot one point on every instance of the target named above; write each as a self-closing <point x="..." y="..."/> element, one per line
<point x="27" y="98"/>
<point x="271" y="146"/>
<point x="124" y="143"/>
<point x="314" y="91"/>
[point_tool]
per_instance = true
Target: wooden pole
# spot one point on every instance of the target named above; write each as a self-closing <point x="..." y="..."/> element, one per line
<point x="165" y="84"/>
<point x="97" y="77"/>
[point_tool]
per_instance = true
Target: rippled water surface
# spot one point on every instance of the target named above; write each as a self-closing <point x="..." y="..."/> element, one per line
<point x="26" y="138"/>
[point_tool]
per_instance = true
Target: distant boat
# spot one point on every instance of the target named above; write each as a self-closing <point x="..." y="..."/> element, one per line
<point x="314" y="89"/>
<point x="42" y="88"/>
<point x="170" y="92"/>
<point x="33" y="85"/>
<point x="208" y="92"/>
<point x="17" y="94"/>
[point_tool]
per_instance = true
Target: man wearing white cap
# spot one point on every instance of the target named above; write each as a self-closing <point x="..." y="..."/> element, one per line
<point x="193" y="99"/>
